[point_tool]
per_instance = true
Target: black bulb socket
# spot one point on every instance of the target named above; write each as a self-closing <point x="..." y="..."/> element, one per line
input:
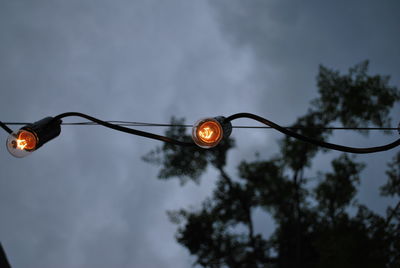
<point x="226" y="126"/>
<point x="44" y="130"/>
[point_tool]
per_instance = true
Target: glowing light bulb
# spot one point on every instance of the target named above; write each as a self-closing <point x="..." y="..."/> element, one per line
<point x="207" y="133"/>
<point x="33" y="136"/>
<point x="21" y="143"/>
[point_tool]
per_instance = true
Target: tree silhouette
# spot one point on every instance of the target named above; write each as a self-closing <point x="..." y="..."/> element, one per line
<point x="313" y="225"/>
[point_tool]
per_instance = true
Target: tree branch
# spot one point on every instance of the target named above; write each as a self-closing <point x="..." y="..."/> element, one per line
<point x="392" y="214"/>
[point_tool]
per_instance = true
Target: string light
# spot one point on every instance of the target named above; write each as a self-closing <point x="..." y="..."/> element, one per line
<point x="143" y="124"/>
<point x="32" y="136"/>
<point x="206" y="133"/>
<point x="22" y="143"/>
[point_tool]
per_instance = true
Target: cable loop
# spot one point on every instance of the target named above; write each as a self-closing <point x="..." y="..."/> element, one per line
<point x="124" y="129"/>
<point x="313" y="141"/>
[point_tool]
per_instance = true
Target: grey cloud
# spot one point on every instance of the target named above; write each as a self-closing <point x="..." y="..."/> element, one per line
<point x="87" y="199"/>
<point x="289" y="40"/>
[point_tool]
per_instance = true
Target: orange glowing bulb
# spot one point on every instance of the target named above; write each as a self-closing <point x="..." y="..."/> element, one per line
<point x="207" y="133"/>
<point x="26" y="140"/>
<point x="22" y="143"/>
<point x="32" y="136"/>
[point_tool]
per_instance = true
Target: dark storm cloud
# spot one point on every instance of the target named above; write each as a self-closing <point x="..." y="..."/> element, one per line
<point x="86" y="199"/>
<point x="290" y="39"/>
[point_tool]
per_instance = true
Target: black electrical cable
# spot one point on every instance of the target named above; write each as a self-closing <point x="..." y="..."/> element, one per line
<point x="118" y="125"/>
<point x="4" y="126"/>
<point x="143" y="124"/>
<point x="124" y="129"/>
<point x="313" y="141"/>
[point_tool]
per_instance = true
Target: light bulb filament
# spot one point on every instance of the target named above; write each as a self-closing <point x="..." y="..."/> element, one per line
<point x="25" y="140"/>
<point x="21" y="144"/>
<point x="206" y="133"/>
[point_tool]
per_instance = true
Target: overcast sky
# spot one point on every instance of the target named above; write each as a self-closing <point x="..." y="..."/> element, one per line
<point x="87" y="199"/>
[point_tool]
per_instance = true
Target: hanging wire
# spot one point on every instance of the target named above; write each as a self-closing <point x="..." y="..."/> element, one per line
<point x="121" y="126"/>
<point x="5" y="127"/>
<point x="144" y="124"/>
<point x="313" y="141"/>
<point x="124" y="129"/>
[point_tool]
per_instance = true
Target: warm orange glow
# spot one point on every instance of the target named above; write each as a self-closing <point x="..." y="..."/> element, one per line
<point x="26" y="140"/>
<point x="209" y="132"/>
